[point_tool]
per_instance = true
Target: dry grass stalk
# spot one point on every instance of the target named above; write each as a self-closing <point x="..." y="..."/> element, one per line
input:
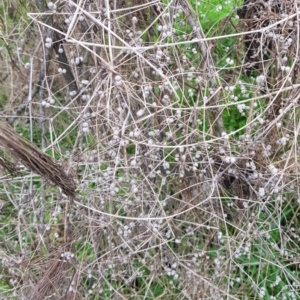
<point x="54" y="275"/>
<point x="34" y="159"/>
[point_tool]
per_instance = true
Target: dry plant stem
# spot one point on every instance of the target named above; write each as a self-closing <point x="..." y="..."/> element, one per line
<point x="157" y="185"/>
<point x="53" y="276"/>
<point x="120" y="39"/>
<point x="35" y="160"/>
<point x="264" y="133"/>
<point x="205" y="49"/>
<point x="40" y="86"/>
<point x="64" y="63"/>
<point x="23" y="105"/>
<point x="85" y="45"/>
<point x="208" y="191"/>
<point x="162" y="45"/>
<point x="43" y="71"/>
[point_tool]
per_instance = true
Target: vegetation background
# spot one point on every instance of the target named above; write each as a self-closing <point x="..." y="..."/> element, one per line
<point x="152" y="149"/>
